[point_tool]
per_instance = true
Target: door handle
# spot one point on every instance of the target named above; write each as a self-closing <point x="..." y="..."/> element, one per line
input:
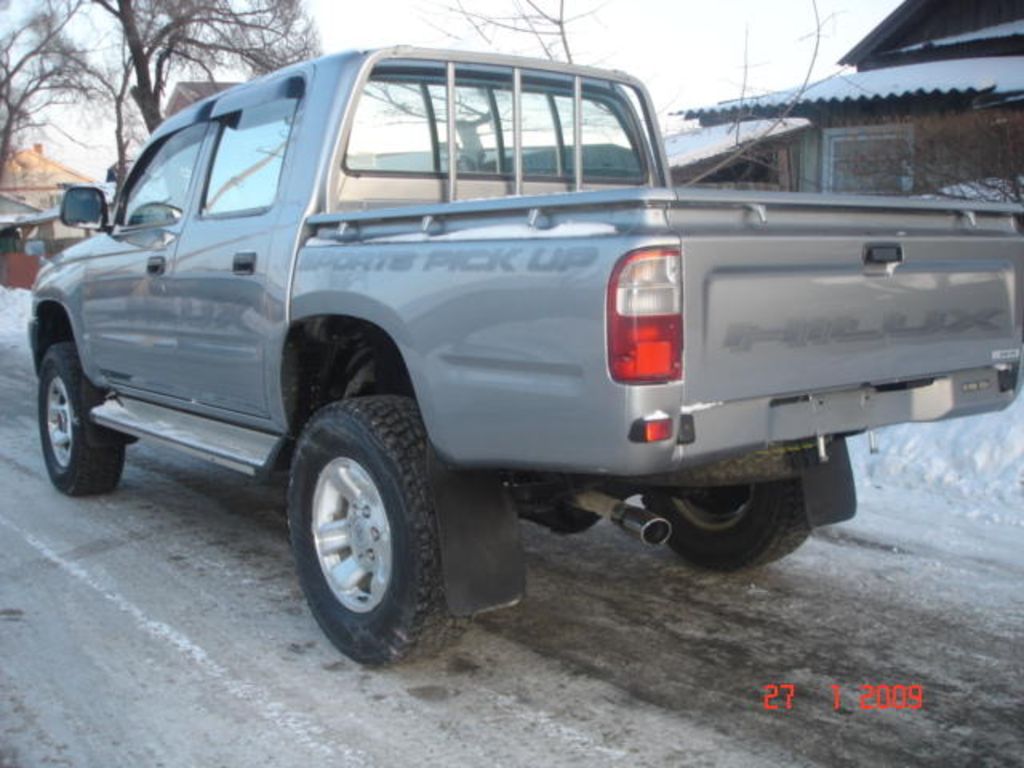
<point x="244" y="263"/>
<point x="155" y="265"/>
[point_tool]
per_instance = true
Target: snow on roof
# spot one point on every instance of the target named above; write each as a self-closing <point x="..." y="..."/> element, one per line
<point x="693" y="146"/>
<point x="1009" y="29"/>
<point x="24" y="219"/>
<point x="995" y="74"/>
<point x="50" y="214"/>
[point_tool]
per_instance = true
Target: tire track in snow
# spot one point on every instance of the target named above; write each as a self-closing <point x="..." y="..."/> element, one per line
<point x="299" y="726"/>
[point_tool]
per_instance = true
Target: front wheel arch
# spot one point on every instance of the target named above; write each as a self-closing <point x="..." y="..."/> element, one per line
<point x="52" y="326"/>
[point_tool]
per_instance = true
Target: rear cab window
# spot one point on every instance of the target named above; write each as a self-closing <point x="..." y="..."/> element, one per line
<point x="400" y="128"/>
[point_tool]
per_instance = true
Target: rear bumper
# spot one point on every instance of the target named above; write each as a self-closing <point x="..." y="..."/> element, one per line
<point x="589" y="436"/>
<point x="726" y="429"/>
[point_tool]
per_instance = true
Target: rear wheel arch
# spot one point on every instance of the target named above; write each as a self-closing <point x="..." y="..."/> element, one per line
<point x="327" y="358"/>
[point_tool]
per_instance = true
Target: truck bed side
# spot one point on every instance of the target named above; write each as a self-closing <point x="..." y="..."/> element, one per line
<point x="791" y="328"/>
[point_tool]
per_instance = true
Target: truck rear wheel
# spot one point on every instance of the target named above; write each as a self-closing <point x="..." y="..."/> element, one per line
<point x="363" y="530"/>
<point x="734" y="527"/>
<point x="75" y="465"/>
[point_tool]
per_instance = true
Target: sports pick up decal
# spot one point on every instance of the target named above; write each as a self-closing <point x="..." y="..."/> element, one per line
<point x="464" y="259"/>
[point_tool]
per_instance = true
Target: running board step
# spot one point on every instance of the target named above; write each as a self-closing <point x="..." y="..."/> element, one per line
<point x="238" y="448"/>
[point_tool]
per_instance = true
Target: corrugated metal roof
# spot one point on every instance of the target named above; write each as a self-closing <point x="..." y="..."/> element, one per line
<point x="994" y="75"/>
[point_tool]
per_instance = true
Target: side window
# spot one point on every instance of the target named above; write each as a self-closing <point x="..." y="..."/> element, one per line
<point x="159" y="194"/>
<point x="540" y="136"/>
<point x="247" y="163"/>
<point x="392" y="129"/>
<point x="608" y="150"/>
<point x="477" y="130"/>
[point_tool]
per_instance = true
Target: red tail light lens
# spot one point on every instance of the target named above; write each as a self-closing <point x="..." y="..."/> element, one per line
<point x="645" y="321"/>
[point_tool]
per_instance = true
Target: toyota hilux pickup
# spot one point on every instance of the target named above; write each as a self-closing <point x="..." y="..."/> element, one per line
<point x="447" y="291"/>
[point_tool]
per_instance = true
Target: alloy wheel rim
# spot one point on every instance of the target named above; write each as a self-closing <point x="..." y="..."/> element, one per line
<point x="59" y="423"/>
<point x="352" y="535"/>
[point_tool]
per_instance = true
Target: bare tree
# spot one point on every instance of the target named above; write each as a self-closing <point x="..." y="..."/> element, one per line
<point x="547" y="22"/>
<point x="108" y="84"/>
<point x="162" y="38"/>
<point x="34" y="71"/>
<point x="751" y="148"/>
<point x="977" y="155"/>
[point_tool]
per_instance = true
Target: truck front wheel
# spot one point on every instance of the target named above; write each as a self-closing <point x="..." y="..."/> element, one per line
<point x="734" y="527"/>
<point x="76" y="465"/>
<point x="363" y="530"/>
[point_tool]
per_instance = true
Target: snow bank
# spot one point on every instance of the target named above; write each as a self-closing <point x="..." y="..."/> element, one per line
<point x="15" y="308"/>
<point x="976" y="457"/>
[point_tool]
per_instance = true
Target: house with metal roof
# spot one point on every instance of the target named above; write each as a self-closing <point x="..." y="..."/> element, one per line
<point x="933" y="105"/>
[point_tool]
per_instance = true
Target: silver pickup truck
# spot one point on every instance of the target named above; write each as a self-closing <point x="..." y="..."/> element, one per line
<point x="446" y="291"/>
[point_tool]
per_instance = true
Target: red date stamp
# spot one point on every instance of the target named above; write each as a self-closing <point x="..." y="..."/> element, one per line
<point x="779" y="697"/>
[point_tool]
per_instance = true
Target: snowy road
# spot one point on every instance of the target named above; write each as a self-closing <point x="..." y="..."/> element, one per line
<point x="162" y="626"/>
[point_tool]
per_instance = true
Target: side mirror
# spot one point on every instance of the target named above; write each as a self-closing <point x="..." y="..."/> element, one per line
<point x="36" y="248"/>
<point x="84" y="208"/>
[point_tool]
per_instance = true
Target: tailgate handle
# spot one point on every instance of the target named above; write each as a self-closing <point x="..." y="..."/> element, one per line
<point x="883" y="253"/>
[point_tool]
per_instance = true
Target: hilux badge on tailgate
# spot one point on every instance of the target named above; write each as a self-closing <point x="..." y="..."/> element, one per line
<point x="1005" y="355"/>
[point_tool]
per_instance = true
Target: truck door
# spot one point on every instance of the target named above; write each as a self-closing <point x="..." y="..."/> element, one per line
<point x="128" y="312"/>
<point x="227" y="282"/>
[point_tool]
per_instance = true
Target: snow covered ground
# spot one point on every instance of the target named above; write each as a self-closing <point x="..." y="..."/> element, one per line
<point x="15" y="307"/>
<point x="162" y="624"/>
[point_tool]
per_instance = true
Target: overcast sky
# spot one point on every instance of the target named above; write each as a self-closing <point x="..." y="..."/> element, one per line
<point x="689" y="52"/>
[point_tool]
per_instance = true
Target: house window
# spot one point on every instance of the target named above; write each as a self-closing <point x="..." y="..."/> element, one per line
<point x="874" y="160"/>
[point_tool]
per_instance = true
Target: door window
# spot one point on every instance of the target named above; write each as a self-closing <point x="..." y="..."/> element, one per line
<point x="247" y="164"/>
<point x="159" y="194"/>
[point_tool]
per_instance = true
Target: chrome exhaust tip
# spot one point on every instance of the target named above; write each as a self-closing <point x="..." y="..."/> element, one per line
<point x="636" y="521"/>
<point x="649" y="528"/>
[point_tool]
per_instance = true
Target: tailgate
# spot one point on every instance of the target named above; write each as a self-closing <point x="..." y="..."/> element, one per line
<point x="776" y="313"/>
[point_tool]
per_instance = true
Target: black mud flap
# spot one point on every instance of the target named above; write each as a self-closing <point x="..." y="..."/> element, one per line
<point x="481" y="553"/>
<point x="829" y="492"/>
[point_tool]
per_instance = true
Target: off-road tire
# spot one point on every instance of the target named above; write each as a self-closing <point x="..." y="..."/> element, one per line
<point x="773" y="525"/>
<point x="91" y="468"/>
<point x="385" y="435"/>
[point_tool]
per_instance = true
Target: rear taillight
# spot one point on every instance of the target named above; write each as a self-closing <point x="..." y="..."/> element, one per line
<point x="645" y="321"/>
